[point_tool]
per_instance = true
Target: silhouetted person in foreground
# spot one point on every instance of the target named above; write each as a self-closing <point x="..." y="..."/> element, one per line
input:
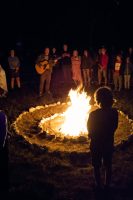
<point x="101" y="125"/>
<point x="3" y="155"/>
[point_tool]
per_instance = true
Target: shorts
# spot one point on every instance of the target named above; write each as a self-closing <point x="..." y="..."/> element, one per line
<point x="14" y="73"/>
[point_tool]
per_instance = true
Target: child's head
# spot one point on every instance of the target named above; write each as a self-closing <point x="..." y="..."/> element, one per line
<point x="104" y="97"/>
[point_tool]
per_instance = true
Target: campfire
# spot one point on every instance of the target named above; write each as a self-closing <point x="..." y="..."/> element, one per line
<point x="72" y="122"/>
<point x="63" y="126"/>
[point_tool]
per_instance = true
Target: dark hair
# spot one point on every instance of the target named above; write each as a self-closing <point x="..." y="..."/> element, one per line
<point x="104" y="97"/>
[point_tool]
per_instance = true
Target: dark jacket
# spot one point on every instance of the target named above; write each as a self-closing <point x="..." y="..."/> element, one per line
<point x="66" y="59"/>
<point x="86" y="62"/>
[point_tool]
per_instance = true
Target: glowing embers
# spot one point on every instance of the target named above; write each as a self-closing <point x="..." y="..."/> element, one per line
<point x="72" y="122"/>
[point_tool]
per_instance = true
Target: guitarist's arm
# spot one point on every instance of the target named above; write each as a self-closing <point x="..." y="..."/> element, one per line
<point x="57" y="59"/>
<point x="54" y="61"/>
<point x="51" y="64"/>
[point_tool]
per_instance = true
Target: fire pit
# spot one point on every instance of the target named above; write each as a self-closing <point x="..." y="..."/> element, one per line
<point x="62" y="126"/>
<point x="73" y="121"/>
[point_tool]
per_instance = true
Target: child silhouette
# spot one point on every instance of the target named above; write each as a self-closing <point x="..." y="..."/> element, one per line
<point x="101" y="125"/>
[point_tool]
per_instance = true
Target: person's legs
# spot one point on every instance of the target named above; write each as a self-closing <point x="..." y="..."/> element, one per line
<point x="115" y="77"/>
<point x="41" y="87"/>
<point x="97" y="176"/>
<point x="84" y="77"/>
<point x="108" y="175"/>
<point x="128" y="81"/>
<point x="48" y="80"/>
<point x="68" y="74"/>
<point x="65" y="73"/>
<point x="88" y="74"/>
<point x="12" y="75"/>
<point x="120" y="82"/>
<point x="105" y="76"/>
<point x="96" y="162"/>
<point x="107" y="161"/>
<point x="110" y="76"/>
<point x="18" y="82"/>
<point x="77" y="83"/>
<point x="12" y="83"/>
<point x="125" y="81"/>
<point x="99" y="76"/>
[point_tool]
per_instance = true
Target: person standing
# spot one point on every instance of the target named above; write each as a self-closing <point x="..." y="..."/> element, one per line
<point x="102" y="124"/>
<point x="66" y="65"/>
<point x="44" y="66"/>
<point x="14" y="65"/>
<point x="102" y="67"/>
<point x="130" y="54"/>
<point x="76" y="69"/>
<point x="86" y="67"/>
<point x="118" y="73"/>
<point x="57" y="72"/>
<point x="128" y="69"/>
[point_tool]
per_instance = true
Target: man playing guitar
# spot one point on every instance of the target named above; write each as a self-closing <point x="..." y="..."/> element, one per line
<point x="44" y="67"/>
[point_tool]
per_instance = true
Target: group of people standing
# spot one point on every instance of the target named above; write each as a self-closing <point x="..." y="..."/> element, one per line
<point x="83" y="70"/>
<point x="75" y="69"/>
<point x="101" y="68"/>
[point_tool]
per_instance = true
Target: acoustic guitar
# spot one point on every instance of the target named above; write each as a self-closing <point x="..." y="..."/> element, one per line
<point x="42" y="67"/>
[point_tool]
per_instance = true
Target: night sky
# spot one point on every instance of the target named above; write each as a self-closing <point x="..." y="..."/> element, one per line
<point x="80" y="24"/>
